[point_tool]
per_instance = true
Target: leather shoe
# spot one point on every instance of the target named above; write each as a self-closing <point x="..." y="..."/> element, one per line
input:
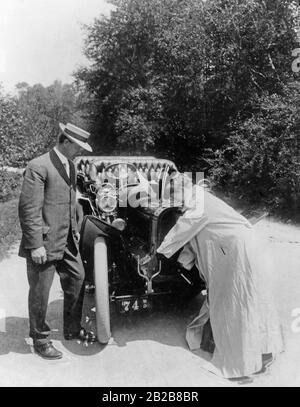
<point x="81" y="335"/>
<point x="48" y="351"/>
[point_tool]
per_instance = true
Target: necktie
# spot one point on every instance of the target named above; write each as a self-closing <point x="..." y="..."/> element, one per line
<point x="67" y="169"/>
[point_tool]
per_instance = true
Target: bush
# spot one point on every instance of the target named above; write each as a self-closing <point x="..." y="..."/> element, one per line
<point x="166" y="76"/>
<point x="10" y="231"/>
<point x="260" y="162"/>
<point x="10" y="185"/>
<point x="29" y="120"/>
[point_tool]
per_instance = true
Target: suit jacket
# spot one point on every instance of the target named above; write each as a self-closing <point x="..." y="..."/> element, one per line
<point x="47" y="206"/>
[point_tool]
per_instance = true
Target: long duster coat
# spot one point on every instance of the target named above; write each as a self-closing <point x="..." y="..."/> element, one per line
<point x="225" y="248"/>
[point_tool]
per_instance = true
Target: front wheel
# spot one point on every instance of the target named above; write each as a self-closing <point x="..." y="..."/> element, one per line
<point x="101" y="290"/>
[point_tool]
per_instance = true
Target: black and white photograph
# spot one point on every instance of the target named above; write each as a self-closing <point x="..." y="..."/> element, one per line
<point x="149" y="196"/>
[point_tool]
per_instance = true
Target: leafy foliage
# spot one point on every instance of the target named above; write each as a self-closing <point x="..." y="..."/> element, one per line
<point x="29" y="122"/>
<point x="202" y="82"/>
<point x="261" y="161"/>
<point x="205" y="83"/>
<point x="168" y="75"/>
<point x="10" y="184"/>
<point x="10" y="230"/>
<point x="11" y="127"/>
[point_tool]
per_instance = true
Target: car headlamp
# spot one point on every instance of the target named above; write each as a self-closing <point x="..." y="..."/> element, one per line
<point x="106" y="199"/>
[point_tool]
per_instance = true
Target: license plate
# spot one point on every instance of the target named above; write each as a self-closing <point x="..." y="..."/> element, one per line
<point x="133" y="305"/>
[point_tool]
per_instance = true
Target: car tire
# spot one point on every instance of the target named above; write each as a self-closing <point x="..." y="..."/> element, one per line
<point x="101" y="291"/>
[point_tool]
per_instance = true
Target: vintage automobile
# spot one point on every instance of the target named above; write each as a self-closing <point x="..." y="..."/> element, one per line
<point x="124" y="218"/>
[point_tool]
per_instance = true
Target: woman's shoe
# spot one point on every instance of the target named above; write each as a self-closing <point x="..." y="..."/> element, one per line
<point x="267" y="360"/>
<point x="242" y="380"/>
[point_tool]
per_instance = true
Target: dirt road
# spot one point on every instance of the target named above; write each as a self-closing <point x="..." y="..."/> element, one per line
<point x="148" y="349"/>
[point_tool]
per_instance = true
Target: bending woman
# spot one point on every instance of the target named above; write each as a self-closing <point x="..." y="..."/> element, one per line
<point x="230" y="258"/>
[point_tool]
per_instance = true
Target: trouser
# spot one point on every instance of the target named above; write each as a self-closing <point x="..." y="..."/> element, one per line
<point x="40" y="278"/>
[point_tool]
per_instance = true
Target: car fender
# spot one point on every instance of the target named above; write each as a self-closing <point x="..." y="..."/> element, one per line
<point x="91" y="229"/>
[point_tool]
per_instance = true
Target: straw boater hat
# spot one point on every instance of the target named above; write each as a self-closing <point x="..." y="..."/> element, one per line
<point x="76" y="135"/>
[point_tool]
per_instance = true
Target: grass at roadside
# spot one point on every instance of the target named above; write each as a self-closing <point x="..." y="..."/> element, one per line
<point x="9" y="226"/>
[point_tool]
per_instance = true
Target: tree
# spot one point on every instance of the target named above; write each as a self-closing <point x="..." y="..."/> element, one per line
<point x="29" y="121"/>
<point x="261" y="160"/>
<point x="168" y="76"/>
<point x="11" y="128"/>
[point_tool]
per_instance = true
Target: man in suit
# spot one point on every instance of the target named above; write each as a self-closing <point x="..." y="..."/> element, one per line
<point x="47" y="211"/>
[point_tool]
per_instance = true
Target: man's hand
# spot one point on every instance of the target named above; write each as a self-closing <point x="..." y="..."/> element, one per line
<point x="77" y="236"/>
<point x="39" y="256"/>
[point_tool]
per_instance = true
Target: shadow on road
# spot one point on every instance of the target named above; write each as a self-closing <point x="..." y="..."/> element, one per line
<point x="14" y="334"/>
<point x="166" y="323"/>
<point x="54" y="317"/>
<point x="14" y="331"/>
